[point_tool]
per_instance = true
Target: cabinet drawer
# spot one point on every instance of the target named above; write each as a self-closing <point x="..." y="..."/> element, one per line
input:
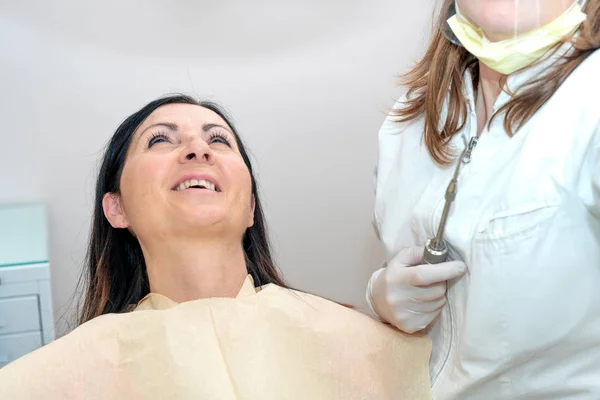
<point x="17" y="345"/>
<point x="19" y="314"/>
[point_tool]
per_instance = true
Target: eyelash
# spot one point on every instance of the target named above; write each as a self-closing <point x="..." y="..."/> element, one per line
<point x="222" y="138"/>
<point x="152" y="141"/>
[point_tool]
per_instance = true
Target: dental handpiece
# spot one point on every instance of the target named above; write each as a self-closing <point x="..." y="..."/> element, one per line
<point x="436" y="248"/>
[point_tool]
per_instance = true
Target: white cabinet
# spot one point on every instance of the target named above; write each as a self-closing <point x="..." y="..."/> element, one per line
<point x="26" y="318"/>
<point x="17" y="345"/>
<point x="19" y="314"/>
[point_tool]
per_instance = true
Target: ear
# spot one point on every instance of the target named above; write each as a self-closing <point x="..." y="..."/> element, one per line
<point x="113" y="211"/>
<point x="251" y="216"/>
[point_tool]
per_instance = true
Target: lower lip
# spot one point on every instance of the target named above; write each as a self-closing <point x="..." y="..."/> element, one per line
<point x="197" y="191"/>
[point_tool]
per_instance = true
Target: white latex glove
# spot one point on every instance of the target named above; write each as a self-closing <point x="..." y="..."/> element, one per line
<point x="409" y="294"/>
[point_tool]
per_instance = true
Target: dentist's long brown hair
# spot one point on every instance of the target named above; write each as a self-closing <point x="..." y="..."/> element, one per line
<point x="440" y="73"/>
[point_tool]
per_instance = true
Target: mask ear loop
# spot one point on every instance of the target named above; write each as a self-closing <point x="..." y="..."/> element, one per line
<point x="446" y="30"/>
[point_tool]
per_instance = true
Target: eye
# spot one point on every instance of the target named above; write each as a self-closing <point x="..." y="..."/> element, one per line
<point x="158" y="137"/>
<point x="219" y="137"/>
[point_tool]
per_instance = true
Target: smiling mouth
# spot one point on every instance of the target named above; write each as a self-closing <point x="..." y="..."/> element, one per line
<point x="197" y="184"/>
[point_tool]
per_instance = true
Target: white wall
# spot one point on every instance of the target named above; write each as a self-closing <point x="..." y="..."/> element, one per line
<point x="308" y="84"/>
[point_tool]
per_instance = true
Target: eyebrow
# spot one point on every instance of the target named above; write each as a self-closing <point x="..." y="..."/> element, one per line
<point x="208" y="127"/>
<point x="169" y="125"/>
<point x="173" y="127"/>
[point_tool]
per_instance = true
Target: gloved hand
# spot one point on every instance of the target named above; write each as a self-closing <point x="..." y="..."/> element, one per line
<point x="409" y="294"/>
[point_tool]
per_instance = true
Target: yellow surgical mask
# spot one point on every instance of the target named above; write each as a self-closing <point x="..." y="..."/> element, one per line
<point x="510" y="55"/>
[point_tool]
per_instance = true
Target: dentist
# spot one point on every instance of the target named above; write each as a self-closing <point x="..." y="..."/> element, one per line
<point x="515" y="311"/>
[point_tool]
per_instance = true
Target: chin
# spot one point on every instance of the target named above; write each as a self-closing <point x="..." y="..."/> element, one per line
<point x="197" y="216"/>
<point x="503" y="19"/>
<point x="205" y="218"/>
<point x="496" y="20"/>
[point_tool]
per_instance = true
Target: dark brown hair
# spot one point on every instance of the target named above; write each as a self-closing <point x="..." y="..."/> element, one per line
<point x="440" y="75"/>
<point x="114" y="273"/>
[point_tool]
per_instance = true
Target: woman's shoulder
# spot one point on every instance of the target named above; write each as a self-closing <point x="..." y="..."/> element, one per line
<point x="318" y="310"/>
<point x="92" y="336"/>
<point x="585" y="82"/>
<point x="393" y="126"/>
<point x="78" y="359"/>
<point x="399" y="137"/>
<point x="591" y="65"/>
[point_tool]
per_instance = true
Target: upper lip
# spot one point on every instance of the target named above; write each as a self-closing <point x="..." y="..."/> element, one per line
<point x="198" y="176"/>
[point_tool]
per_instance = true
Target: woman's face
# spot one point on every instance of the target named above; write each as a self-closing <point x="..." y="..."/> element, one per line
<point x="504" y="19"/>
<point x="183" y="175"/>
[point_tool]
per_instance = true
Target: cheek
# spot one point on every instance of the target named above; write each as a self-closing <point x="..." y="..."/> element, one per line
<point x="245" y="185"/>
<point x="490" y="14"/>
<point x="468" y="8"/>
<point x="141" y="181"/>
<point x="241" y="181"/>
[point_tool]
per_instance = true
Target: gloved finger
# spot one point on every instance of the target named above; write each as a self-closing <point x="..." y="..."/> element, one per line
<point x="408" y="257"/>
<point x="425" y="275"/>
<point x="427" y="307"/>
<point x="427" y="293"/>
<point x="416" y="323"/>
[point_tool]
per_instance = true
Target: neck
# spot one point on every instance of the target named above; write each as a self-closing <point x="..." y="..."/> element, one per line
<point x="191" y="270"/>
<point x="488" y="89"/>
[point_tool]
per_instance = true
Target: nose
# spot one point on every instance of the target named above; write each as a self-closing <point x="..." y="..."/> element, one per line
<point x="197" y="151"/>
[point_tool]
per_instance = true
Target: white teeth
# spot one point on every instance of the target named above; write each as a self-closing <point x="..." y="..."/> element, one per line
<point x="195" y="182"/>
